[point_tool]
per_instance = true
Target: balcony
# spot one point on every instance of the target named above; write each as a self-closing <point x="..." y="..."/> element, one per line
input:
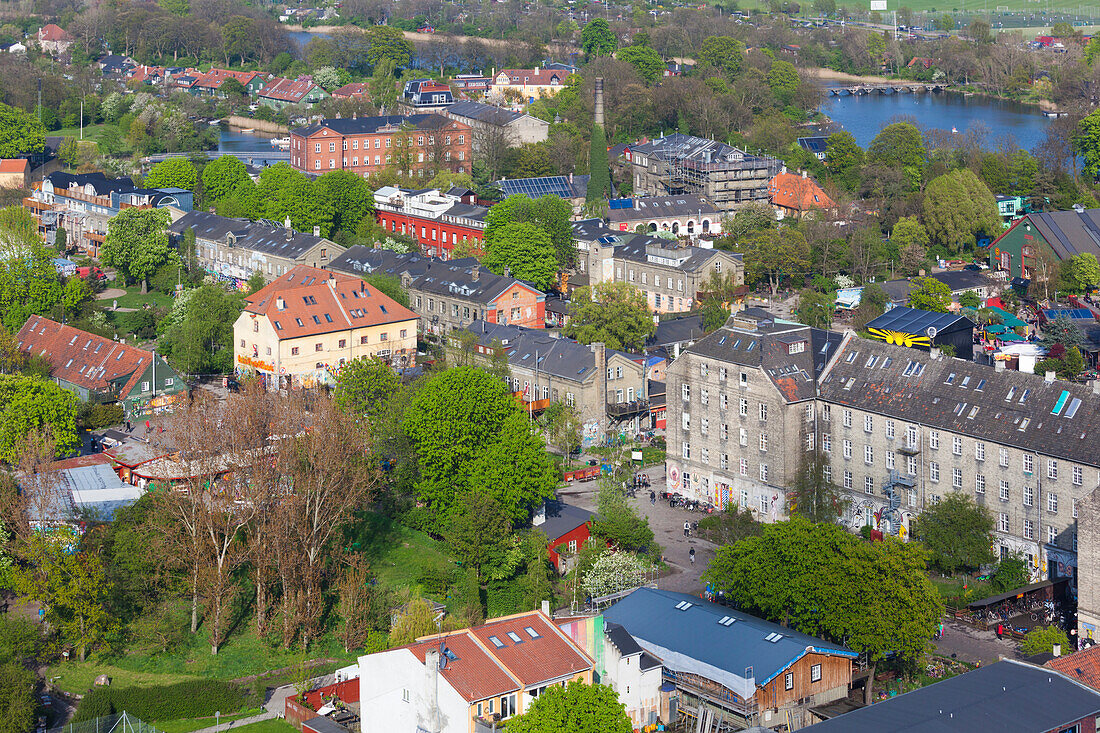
<point x="908" y="449"/>
<point x="622" y="410"/>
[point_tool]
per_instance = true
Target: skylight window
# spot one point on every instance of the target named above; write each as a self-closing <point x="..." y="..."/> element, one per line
<point x="299" y="321"/>
<point x="728" y="622"/>
<point x="684" y="605"/>
<point x="773" y="637"/>
<point x="328" y="318"/>
<point x="1024" y="396"/>
<point x="909" y="369"/>
<point x="515" y="637"/>
<point x="950" y="378"/>
<point x="316" y="320"/>
<point x="871" y="362"/>
<point x="965" y="381"/>
<point x="1074" y="404"/>
<point x="496" y="642"/>
<point x="1011" y="394"/>
<point x="1024" y="423"/>
<point x="851" y="357"/>
<point x="724" y="619"/>
<point x="980" y="385"/>
<point x="531" y="632"/>
<point x="886" y="362"/>
<point x="973" y="413"/>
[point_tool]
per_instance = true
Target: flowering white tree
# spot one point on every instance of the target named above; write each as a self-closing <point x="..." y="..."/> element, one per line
<point x="614" y="572"/>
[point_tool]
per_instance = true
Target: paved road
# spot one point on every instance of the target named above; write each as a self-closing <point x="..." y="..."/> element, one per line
<point x="237" y="723"/>
<point x="972" y="645"/>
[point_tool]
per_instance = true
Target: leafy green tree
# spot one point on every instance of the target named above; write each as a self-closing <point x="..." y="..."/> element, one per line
<point x="749" y="220"/>
<point x="822" y="580"/>
<point x="516" y="468"/>
<point x="1083" y="271"/>
<point x="20" y="133"/>
<point x="479" y="532"/>
<point x="844" y="158"/>
<point x="388" y="43"/>
<point x="222" y="176"/>
<point x="351" y="198"/>
<point x="1043" y="640"/>
<point x="970" y="299"/>
<point x="783" y="80"/>
<point x="576" y="708"/>
<point x="173" y="173"/>
<point x="911" y="240"/>
<point x="930" y="295"/>
<point x="1068" y="366"/>
<point x="723" y="52"/>
<point x="562" y="424"/>
<point x="900" y="146"/>
<point x="136" y="244"/>
<point x="872" y="304"/>
<point x="1010" y="573"/>
<point x="648" y="62"/>
<point x="1092" y="50"/>
<point x="597" y="38"/>
<point x="1062" y="330"/>
<point x="61" y="239"/>
<point x="957" y="208"/>
<point x="365" y="386"/>
<point x="70" y="586"/>
<point x="29" y="404"/>
<point x="613" y="313"/>
<point x="729" y="526"/>
<point x="285" y="192"/>
<point x="775" y="255"/>
<point x="815" y="308"/>
<point x="825" y="7"/>
<point x="525" y="251"/>
<point x="200" y="341"/>
<point x="958" y="533"/>
<point x="453" y="419"/>
<point x="1087" y="143"/>
<point x="388" y="285"/>
<point x="326" y="77"/>
<point x="617" y="523"/>
<point x="29" y="284"/>
<point x="381" y="87"/>
<point x="599" y="182"/>
<point x="68" y="152"/>
<point x="17" y="703"/>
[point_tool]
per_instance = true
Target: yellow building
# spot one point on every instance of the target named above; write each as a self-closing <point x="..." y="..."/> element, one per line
<point x="305" y="325"/>
<point x="528" y="83"/>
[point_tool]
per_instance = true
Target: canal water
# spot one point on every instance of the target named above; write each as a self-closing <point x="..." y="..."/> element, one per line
<point x="864" y="116"/>
<point x="234" y="141"/>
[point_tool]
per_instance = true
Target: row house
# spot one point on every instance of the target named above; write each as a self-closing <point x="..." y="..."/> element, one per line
<point x="281" y="93"/>
<point x="450" y="295"/>
<point x="84" y="203"/>
<point x="300" y="329"/>
<point x="439" y="221"/>
<point x="471" y="83"/>
<point x="897" y="429"/>
<point x="233" y="250"/>
<point x="422" y="144"/>
<point x="528" y="83"/>
<point x="608" y="388"/>
<point x="208" y="84"/>
<point x="670" y="273"/>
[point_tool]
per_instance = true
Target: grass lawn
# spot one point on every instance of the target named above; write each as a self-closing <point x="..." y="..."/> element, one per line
<point x="396" y="553"/>
<point x="78" y="677"/>
<point x="134" y="298"/>
<point x="190" y="724"/>
<point x="951" y="589"/>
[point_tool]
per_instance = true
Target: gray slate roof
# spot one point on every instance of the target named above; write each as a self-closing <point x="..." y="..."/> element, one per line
<point x="562" y="519"/>
<point x="1008" y="697"/>
<point x="967" y="398"/>
<point x="362" y="260"/>
<point x="656" y="207"/>
<point x="99" y="182"/>
<point x="766" y="345"/>
<point x="634" y="246"/>
<point x="252" y="236"/>
<point x="677" y="331"/>
<point x="693" y="640"/>
<point x="561" y="357"/>
<point x="486" y="113"/>
<point x="1069" y="232"/>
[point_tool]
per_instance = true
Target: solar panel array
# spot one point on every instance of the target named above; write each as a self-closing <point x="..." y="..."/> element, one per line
<point x="1075" y="314"/>
<point x="535" y="187"/>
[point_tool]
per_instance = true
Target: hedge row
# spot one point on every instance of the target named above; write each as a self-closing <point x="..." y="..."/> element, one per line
<point x="190" y="699"/>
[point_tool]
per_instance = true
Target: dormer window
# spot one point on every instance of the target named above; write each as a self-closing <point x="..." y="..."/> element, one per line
<point x="796" y="348"/>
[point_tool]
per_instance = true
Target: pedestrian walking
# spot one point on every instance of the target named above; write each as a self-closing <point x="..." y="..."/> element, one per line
<point x="687" y="528"/>
<point x="691" y="554"/>
<point x="653" y="498"/>
<point x="941" y="631"/>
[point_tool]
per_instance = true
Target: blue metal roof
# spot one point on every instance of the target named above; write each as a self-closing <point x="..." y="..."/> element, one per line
<point x="695" y="639"/>
<point x="911" y="320"/>
<point x="1073" y="314"/>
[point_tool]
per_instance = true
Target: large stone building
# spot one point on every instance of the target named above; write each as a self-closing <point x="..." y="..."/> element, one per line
<point x="608" y="388"/>
<point x="233" y="250"/>
<point x="491" y="124"/>
<point x="304" y="326"/>
<point x="420" y="144"/>
<point x="898" y="429"/>
<point x="670" y="273"/>
<point x="681" y="214"/>
<point x="728" y="177"/>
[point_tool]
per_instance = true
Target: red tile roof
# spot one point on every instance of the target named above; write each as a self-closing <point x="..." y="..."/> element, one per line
<point x="216" y="77"/>
<point x="355" y="89"/>
<point x="52" y="32"/>
<point x="287" y="90"/>
<point x="13" y="165"/>
<point x="81" y="358"/>
<point x="793" y="191"/>
<point x="1082" y="666"/>
<point x="308" y="301"/>
<point x="483" y="669"/>
<point x="536" y="76"/>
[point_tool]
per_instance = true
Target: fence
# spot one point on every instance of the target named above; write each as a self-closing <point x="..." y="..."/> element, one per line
<point x="117" y="723"/>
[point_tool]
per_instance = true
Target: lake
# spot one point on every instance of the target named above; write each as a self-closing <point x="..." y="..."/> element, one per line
<point x="232" y="140"/>
<point x="864" y="116"/>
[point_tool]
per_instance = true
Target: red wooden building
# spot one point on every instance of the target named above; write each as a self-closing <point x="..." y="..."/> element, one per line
<point x="567" y="528"/>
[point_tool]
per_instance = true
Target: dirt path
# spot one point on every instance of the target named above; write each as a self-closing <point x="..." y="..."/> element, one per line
<point x="553" y="46"/>
<point x="111" y="293"/>
<point x="830" y="75"/>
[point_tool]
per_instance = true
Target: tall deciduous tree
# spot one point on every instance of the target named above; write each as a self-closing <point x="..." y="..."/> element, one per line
<point x="958" y="533"/>
<point x="723" y="52"/>
<point x="844" y="158"/>
<point x="173" y="173"/>
<point x="644" y="59"/>
<point x="576" y="708"/>
<point x="30" y="404"/>
<point x="365" y="386"/>
<point x="525" y="251"/>
<point x="223" y="176"/>
<point x="388" y="43"/>
<point x="351" y="198"/>
<point x="822" y="580"/>
<point x="614" y="313"/>
<point x="930" y="295"/>
<point x="900" y="146"/>
<point x="815" y="308"/>
<point x="957" y="208"/>
<point x="783" y="80"/>
<point x="597" y="38"/>
<point x="20" y="133"/>
<point x="911" y="239"/>
<point x="137" y="243"/>
<point x="479" y="530"/>
<point x="200" y="339"/>
<point x="516" y="469"/>
<point x="775" y="255"/>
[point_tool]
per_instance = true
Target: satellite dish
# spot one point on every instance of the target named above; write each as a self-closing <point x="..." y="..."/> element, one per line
<point x="931" y="331"/>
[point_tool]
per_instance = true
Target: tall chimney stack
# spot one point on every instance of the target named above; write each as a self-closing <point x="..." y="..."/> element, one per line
<point x="599" y="101"/>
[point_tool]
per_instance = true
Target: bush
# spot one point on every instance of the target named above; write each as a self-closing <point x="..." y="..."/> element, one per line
<point x="190" y="699"/>
<point x="505" y="597"/>
<point x="95" y="417"/>
<point x="434" y="578"/>
<point x="1043" y="639"/>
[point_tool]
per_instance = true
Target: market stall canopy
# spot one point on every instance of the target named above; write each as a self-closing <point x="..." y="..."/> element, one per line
<point x="1011" y="337"/>
<point x="995" y="329"/>
<point x="1008" y="319"/>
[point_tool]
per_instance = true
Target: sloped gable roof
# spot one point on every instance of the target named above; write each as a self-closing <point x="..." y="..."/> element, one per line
<point x="792" y="191"/>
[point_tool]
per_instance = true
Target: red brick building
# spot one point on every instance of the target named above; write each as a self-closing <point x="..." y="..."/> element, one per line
<point x="438" y="220"/>
<point x="417" y="144"/>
